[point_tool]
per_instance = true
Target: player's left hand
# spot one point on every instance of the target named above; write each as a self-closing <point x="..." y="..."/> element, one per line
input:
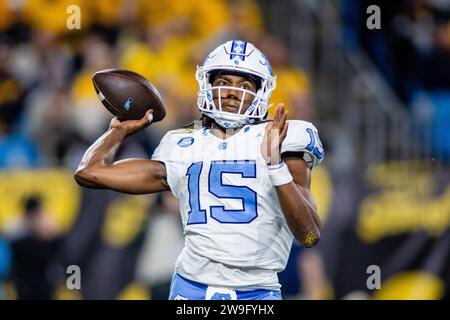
<point x="276" y="131"/>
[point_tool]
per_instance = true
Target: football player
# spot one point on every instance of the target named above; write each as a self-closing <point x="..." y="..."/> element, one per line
<point x="242" y="181"/>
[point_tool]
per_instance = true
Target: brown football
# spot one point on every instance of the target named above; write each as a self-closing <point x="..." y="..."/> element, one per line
<point x="127" y="94"/>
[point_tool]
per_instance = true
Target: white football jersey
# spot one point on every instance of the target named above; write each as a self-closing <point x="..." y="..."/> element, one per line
<point x="235" y="232"/>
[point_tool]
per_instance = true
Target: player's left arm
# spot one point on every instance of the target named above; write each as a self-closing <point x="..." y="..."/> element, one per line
<point x="297" y="203"/>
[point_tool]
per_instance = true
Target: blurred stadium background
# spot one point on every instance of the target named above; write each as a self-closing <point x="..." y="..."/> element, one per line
<point x="380" y="99"/>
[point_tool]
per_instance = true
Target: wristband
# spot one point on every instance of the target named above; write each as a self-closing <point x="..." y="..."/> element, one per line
<point x="279" y="174"/>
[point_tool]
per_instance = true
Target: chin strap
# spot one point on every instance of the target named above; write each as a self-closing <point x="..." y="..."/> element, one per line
<point x="228" y="124"/>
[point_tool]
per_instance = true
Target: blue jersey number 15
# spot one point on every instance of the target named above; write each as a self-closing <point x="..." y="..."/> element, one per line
<point x="247" y="169"/>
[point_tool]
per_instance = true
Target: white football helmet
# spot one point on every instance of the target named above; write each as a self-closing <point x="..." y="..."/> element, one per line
<point x="245" y="59"/>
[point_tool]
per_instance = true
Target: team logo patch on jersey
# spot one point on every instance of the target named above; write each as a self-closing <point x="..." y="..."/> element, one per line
<point x="223" y="145"/>
<point x="185" y="142"/>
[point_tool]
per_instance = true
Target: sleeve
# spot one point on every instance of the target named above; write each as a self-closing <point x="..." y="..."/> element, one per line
<point x="166" y="154"/>
<point x="303" y="140"/>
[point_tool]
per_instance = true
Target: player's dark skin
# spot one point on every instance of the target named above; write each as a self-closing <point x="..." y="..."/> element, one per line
<point x="98" y="169"/>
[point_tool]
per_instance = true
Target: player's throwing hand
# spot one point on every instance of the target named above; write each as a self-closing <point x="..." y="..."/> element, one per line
<point x="276" y="131"/>
<point x="132" y="126"/>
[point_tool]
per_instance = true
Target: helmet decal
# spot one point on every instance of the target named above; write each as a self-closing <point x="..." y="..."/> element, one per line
<point x="238" y="50"/>
<point x="265" y="62"/>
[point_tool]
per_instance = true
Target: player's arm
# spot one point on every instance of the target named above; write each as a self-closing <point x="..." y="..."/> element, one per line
<point x="98" y="169"/>
<point x="298" y="205"/>
<point x="296" y="201"/>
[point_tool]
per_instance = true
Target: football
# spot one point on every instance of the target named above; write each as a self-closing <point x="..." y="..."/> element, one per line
<point x="128" y="95"/>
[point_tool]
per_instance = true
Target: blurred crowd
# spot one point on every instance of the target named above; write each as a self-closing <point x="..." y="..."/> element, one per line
<point x="412" y="52"/>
